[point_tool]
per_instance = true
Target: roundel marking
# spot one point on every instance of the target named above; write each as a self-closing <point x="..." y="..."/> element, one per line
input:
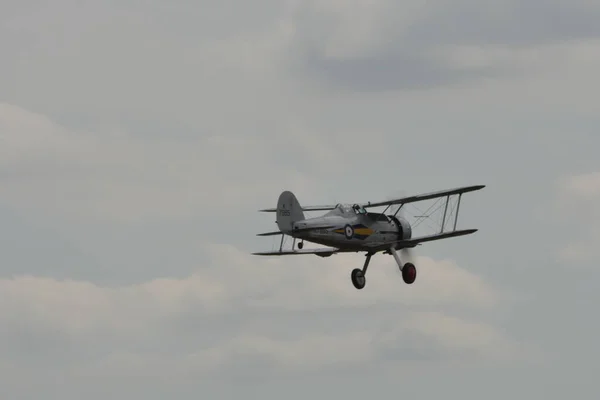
<point x="349" y="232"/>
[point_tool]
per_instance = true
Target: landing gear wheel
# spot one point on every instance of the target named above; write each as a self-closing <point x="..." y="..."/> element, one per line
<point x="409" y="273"/>
<point x="358" y="278"/>
<point x="300" y="245"/>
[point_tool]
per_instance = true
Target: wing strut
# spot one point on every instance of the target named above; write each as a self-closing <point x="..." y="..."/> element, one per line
<point x="457" y="210"/>
<point x="445" y="212"/>
<point x="397" y="211"/>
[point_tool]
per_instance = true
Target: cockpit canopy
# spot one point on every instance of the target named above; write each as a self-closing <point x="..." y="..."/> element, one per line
<point x="355" y="208"/>
<point x="358" y="209"/>
<point x="344" y="208"/>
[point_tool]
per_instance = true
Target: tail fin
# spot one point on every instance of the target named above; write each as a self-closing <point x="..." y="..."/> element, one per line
<point x="288" y="211"/>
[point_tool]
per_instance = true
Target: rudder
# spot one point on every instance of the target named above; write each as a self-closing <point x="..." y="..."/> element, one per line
<point x="288" y="211"/>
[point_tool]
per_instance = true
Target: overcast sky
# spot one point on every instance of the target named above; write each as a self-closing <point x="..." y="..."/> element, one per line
<point x="138" y="139"/>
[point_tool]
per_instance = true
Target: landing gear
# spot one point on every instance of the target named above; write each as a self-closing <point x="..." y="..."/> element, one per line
<point x="409" y="273"/>
<point x="358" y="278"/>
<point x="358" y="275"/>
<point x="301" y="245"/>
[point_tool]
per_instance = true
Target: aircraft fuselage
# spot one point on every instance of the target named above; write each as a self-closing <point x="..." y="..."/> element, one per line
<point x="351" y="227"/>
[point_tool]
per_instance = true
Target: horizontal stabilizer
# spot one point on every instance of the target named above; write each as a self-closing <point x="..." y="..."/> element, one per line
<point x="322" y="252"/>
<point x="299" y="230"/>
<point x="313" y="228"/>
<point x="414" y="242"/>
<point x="307" y="208"/>
<point x="275" y="233"/>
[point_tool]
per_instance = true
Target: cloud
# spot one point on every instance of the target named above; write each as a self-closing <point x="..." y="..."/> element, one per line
<point x="412" y="45"/>
<point x="430" y="335"/>
<point x="584" y="186"/>
<point x="305" y="283"/>
<point x="122" y="176"/>
<point x="272" y="50"/>
<point x="116" y="331"/>
<point x="234" y="279"/>
<point x="421" y="337"/>
<point x="133" y="160"/>
<point x="115" y="327"/>
<point x="577" y="208"/>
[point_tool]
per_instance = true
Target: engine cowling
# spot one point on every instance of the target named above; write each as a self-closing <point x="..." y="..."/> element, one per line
<point x="403" y="226"/>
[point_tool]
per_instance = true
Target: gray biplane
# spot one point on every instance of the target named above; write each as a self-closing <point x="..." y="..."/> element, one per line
<point x="350" y="228"/>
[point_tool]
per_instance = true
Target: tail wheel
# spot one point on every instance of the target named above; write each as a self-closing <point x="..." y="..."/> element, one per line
<point x="358" y="278"/>
<point x="409" y="273"/>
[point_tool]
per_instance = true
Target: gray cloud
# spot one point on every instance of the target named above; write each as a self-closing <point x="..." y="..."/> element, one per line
<point x="404" y="70"/>
<point x="519" y="23"/>
<point x="220" y="323"/>
<point x="401" y="40"/>
<point x="137" y="143"/>
<point x="576" y="207"/>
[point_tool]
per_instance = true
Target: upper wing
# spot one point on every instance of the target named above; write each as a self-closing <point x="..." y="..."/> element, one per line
<point x="403" y="200"/>
<point x="305" y="208"/>
<point x="379" y="246"/>
<point x="426" y="196"/>
<point x="322" y="252"/>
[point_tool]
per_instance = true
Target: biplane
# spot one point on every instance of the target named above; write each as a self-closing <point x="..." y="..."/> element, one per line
<point x="351" y="228"/>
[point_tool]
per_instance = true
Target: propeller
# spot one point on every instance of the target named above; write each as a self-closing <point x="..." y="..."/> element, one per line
<point x="406" y="254"/>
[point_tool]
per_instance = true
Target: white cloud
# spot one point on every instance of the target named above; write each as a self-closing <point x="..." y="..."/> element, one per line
<point x="302" y="282"/>
<point x="456" y="334"/>
<point x="419" y="335"/>
<point x="354" y="29"/>
<point x="584" y="186"/>
<point x="28" y="137"/>
<point x="50" y="169"/>
<point x="577" y="203"/>
<point x="217" y="107"/>
<point x="408" y="44"/>
<point x="234" y="280"/>
<point x="112" y="174"/>
<point x="235" y="283"/>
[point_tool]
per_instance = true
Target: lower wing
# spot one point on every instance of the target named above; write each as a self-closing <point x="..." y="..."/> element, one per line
<point x="297" y="230"/>
<point x="378" y="246"/>
<point x="322" y="252"/>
